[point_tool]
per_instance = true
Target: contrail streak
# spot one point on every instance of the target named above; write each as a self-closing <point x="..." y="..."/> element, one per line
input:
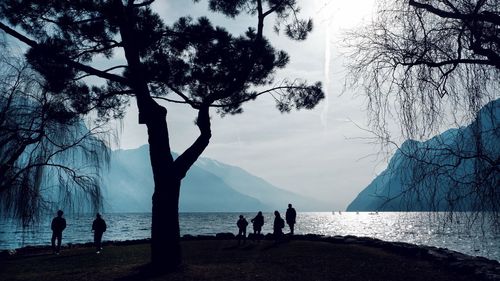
<point x="324" y="113"/>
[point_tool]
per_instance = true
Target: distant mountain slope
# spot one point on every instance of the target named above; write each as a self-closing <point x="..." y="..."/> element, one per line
<point x="270" y="195"/>
<point x="438" y="174"/>
<point x="129" y="187"/>
<point x="209" y="186"/>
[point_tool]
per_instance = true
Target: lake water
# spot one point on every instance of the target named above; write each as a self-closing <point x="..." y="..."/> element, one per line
<point x="417" y="228"/>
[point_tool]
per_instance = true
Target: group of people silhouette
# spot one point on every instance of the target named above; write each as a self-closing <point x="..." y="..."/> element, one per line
<point x="59" y="224"/>
<point x="258" y="222"/>
<point x="99" y="227"/>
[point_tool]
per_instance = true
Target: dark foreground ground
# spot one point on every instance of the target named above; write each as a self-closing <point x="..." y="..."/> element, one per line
<point x="225" y="260"/>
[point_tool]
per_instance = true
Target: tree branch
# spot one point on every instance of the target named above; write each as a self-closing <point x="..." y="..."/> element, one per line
<point x="169" y="100"/>
<point x="97" y="50"/>
<point x="448" y="62"/>
<point x="187" y="159"/>
<point x="272" y="9"/>
<point x="258" y="94"/>
<point x="484" y="16"/>
<point x="144" y="3"/>
<point x="105" y="70"/>
<point x="79" y="66"/>
<point x="184" y="97"/>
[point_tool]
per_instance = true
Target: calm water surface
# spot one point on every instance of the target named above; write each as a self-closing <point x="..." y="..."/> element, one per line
<point x="416" y="228"/>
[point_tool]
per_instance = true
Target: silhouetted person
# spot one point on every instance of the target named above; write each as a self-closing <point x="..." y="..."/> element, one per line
<point x="242" y="229"/>
<point x="57" y="226"/>
<point x="99" y="227"/>
<point x="278" y="225"/>
<point x="290" y="216"/>
<point x="257" y="222"/>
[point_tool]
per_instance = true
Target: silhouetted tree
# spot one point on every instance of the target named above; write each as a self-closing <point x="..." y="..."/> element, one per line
<point x="47" y="155"/>
<point x="423" y="62"/>
<point x="201" y="65"/>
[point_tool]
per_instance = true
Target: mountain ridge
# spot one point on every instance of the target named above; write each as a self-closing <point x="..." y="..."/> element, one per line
<point x="438" y="174"/>
<point x="209" y="186"/>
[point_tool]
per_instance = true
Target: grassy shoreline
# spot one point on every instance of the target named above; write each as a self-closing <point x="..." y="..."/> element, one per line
<point x="219" y="259"/>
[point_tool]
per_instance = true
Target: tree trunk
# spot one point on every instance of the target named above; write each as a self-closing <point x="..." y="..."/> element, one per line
<point x="165" y="234"/>
<point x="167" y="173"/>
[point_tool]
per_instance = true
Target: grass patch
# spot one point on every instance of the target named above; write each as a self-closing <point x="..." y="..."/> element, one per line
<point x="225" y="260"/>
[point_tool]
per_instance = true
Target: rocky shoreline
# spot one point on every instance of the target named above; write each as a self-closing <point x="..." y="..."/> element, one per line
<point x="483" y="268"/>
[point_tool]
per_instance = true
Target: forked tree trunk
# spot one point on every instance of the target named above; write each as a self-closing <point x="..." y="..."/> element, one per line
<point x="167" y="173"/>
<point x="165" y="233"/>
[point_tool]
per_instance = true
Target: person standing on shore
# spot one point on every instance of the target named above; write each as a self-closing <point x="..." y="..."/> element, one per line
<point x="58" y="225"/>
<point x="242" y="229"/>
<point x="258" y="222"/>
<point x="290" y="216"/>
<point x="278" y="226"/>
<point x="99" y="227"/>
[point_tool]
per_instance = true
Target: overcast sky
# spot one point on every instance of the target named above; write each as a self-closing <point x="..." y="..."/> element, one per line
<point x="317" y="152"/>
